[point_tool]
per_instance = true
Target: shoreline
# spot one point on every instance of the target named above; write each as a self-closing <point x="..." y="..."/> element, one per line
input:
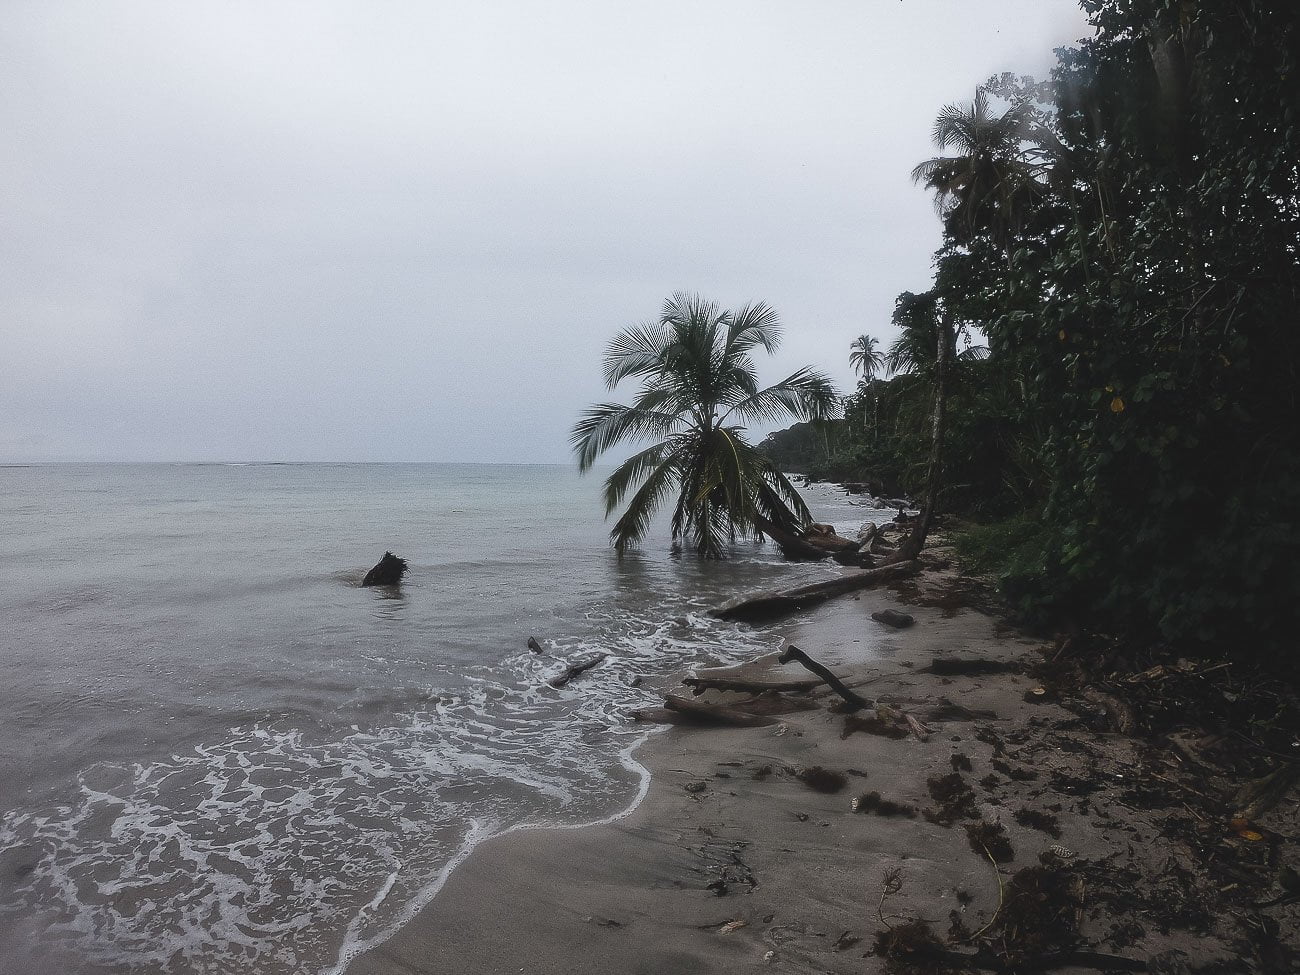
<point x="461" y="927"/>
<point x="729" y="860"/>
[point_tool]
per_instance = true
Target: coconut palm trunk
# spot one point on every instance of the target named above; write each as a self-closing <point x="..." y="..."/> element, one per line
<point x="915" y="541"/>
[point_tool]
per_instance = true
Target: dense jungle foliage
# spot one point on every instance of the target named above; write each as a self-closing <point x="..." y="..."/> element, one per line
<point x="1116" y="304"/>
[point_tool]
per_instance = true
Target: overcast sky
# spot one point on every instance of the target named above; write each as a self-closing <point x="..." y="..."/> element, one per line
<point x="406" y="231"/>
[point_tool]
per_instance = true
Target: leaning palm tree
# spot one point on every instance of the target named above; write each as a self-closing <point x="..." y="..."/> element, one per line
<point x="699" y="388"/>
<point x="864" y="357"/>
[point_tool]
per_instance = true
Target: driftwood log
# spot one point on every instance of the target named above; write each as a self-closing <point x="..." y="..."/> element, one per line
<point x="388" y="571"/>
<point x="699" y="685"/>
<point x="774" y="604"/>
<point x="684" y="710"/>
<point x="574" y="669"/>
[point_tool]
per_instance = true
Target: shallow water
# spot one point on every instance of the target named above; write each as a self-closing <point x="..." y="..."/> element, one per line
<point x="219" y="754"/>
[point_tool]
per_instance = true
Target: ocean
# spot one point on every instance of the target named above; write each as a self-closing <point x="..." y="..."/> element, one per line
<point x="220" y="754"/>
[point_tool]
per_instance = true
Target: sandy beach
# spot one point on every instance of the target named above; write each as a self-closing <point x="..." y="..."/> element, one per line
<point x="733" y="862"/>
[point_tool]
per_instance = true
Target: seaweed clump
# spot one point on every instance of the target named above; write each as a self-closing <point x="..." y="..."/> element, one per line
<point x="1039" y="917"/>
<point x="912" y="948"/>
<point x="1044" y="821"/>
<point x="955" y="798"/>
<point x="991" y="839"/>
<point x="874" y="802"/>
<point x="822" y="779"/>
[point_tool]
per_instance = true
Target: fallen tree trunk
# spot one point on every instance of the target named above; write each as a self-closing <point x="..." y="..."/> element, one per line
<point x="793" y="546"/>
<point x="699" y="685"/>
<point x="715" y="713"/>
<point x="574" y="669"/>
<point x="773" y="604"/>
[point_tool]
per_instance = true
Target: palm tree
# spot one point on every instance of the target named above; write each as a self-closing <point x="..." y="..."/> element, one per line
<point x="990" y="183"/>
<point x="698" y="389"/>
<point x="864" y="357"/>
<point x="917" y="347"/>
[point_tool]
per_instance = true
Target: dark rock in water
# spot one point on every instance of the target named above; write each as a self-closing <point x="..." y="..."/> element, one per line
<point x="892" y="617"/>
<point x="388" y="572"/>
<point x="534" y="646"/>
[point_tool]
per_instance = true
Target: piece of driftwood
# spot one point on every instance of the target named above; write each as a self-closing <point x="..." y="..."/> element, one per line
<point x="855" y="701"/>
<point x="892" y="617"/>
<point x="388" y="571"/>
<point x="715" y="713"/>
<point x="574" y="669"/>
<point x="534" y="646"/>
<point x="699" y="685"/>
<point x="774" y="604"/>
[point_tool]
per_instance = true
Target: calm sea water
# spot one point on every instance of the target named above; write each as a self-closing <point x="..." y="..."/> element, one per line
<point x="219" y="754"/>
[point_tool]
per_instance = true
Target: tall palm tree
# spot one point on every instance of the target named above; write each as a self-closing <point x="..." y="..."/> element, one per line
<point x="864" y="357"/>
<point x="990" y="181"/>
<point x="698" y="389"/>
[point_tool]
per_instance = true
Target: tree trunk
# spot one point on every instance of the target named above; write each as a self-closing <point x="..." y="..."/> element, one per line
<point x="912" y="545"/>
<point x="774" y="604"/>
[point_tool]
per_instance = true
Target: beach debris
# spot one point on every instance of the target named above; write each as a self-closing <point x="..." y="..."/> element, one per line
<point x="731" y="926"/>
<point x="714" y="713"/>
<point x="955" y="797"/>
<point x="821" y="779"/>
<point x="574" y="669"/>
<point x="791" y="652"/>
<point x="695" y="788"/>
<point x="388" y="571"/>
<point x="699" y="684"/>
<point x="1042" y="821"/>
<point x="845" y="941"/>
<point x="1062" y="852"/>
<point x="990" y="838"/>
<point x="892" y="617"/>
<point x="876" y="804"/>
<point x="968" y="667"/>
<point x="771" y="604"/>
<point x="534" y="646"/>
<point x="1260" y="795"/>
<point x="872" y="725"/>
<point x="768" y="956"/>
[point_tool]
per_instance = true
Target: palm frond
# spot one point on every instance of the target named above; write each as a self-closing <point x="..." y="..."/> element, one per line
<point x="803" y="395"/>
<point x="606" y="424"/>
<point x="635" y="521"/>
<point x="756" y="324"/>
<point x="636" y="351"/>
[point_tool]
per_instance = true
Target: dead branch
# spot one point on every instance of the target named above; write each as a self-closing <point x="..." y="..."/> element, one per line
<point x="574" y="669"/>
<point x="791" y="652"/>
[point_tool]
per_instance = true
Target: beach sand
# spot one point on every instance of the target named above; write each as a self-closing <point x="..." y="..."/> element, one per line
<point x="731" y="863"/>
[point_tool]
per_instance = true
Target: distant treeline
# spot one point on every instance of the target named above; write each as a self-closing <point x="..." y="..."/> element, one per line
<point x="1109" y="350"/>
